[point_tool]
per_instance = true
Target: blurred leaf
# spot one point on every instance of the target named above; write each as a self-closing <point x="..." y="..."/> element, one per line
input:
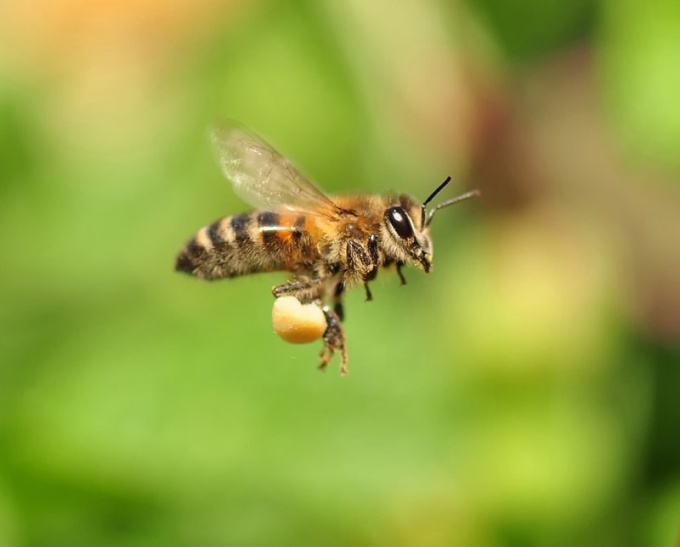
<point x="528" y="29"/>
<point x="641" y="55"/>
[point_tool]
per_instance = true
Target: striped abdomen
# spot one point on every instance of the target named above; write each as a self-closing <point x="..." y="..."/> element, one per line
<point x="242" y="244"/>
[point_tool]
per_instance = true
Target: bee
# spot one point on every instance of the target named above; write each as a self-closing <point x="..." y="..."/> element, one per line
<point x="328" y="244"/>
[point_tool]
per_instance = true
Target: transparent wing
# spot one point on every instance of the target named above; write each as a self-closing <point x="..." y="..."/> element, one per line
<point x="264" y="178"/>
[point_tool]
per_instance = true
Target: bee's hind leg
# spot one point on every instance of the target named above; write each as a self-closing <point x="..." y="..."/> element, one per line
<point x="333" y="340"/>
<point x="304" y="289"/>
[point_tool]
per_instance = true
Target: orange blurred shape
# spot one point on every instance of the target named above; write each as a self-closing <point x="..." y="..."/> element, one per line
<point x="46" y="34"/>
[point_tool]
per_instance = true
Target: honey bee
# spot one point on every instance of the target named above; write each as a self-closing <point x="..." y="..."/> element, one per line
<point x="328" y="244"/>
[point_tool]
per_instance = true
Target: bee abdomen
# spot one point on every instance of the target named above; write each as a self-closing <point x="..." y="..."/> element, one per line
<point x="239" y="245"/>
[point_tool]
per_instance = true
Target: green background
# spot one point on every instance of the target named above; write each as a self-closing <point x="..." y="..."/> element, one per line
<point x="523" y="393"/>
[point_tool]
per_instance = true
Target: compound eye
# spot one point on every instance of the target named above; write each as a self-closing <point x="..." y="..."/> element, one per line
<point x="398" y="218"/>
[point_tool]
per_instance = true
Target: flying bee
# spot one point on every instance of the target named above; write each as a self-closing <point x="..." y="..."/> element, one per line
<point x="328" y="244"/>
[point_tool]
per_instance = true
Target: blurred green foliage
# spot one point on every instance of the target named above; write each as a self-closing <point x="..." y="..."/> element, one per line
<point x="524" y="393"/>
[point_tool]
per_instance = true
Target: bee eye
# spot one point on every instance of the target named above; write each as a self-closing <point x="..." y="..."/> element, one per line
<point x="398" y="218"/>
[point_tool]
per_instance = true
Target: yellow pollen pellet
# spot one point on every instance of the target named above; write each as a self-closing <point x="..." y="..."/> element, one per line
<point x="297" y="323"/>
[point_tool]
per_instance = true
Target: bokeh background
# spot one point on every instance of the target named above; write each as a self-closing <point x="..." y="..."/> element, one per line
<point x="524" y="393"/>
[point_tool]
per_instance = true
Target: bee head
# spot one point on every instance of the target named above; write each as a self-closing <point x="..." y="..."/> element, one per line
<point x="407" y="227"/>
<point x="406" y="240"/>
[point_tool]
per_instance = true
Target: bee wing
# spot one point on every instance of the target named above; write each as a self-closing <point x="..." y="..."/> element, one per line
<point x="264" y="178"/>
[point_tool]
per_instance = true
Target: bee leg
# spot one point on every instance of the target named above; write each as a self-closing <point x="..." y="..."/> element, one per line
<point x="326" y="355"/>
<point x="401" y="275"/>
<point x="363" y="264"/>
<point x="338" y="308"/>
<point x="373" y="273"/>
<point x="359" y="262"/>
<point x="303" y="289"/>
<point x="334" y="340"/>
<point x="373" y="251"/>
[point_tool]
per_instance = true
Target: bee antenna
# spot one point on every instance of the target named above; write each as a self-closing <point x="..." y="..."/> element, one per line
<point x="430" y="198"/>
<point x="466" y="195"/>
